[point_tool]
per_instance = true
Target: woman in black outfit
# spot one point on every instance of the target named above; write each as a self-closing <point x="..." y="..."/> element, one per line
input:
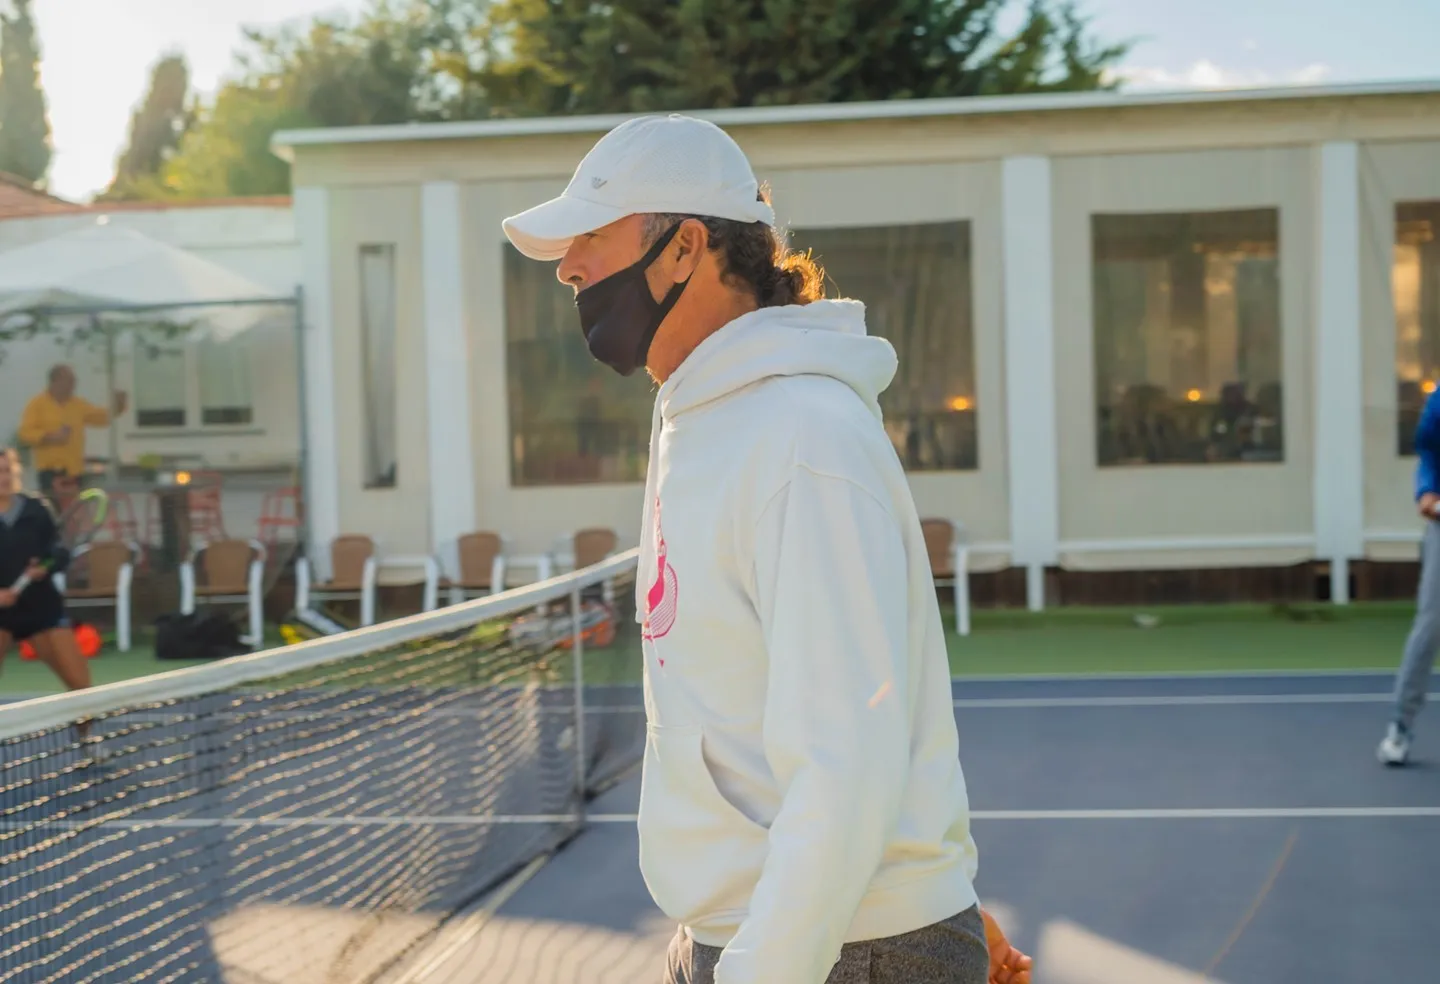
<point x="28" y="536"/>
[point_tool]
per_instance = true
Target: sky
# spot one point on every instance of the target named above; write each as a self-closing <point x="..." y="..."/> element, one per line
<point x="97" y="54"/>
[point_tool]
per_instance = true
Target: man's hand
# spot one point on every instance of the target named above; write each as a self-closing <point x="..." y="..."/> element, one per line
<point x="1427" y="504"/>
<point x="58" y="436"/>
<point x="8" y="598"/>
<point x="121" y="401"/>
<point x="1007" y="964"/>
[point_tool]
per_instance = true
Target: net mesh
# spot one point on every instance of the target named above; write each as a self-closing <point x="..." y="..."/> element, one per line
<point x="311" y="814"/>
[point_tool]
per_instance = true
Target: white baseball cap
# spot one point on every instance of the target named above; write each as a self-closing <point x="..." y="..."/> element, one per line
<point x="674" y="164"/>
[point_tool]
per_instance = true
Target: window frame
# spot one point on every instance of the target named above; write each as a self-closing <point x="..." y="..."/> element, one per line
<point x="189" y="350"/>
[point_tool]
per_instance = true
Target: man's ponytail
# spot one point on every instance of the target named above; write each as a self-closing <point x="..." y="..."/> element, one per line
<point x="756" y="256"/>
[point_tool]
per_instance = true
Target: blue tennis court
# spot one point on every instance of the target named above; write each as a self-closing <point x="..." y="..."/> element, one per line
<point x="1232" y="829"/>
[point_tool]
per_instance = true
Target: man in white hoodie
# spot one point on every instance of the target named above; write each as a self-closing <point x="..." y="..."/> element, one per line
<point x="803" y="813"/>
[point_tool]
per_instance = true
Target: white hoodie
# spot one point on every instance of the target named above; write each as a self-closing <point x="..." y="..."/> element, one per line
<point x="802" y="784"/>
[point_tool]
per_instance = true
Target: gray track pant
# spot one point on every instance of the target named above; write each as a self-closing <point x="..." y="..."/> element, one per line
<point x="949" y="952"/>
<point x="1413" y="680"/>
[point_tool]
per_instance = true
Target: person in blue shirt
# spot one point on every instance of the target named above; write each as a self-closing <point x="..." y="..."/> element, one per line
<point x="1413" y="680"/>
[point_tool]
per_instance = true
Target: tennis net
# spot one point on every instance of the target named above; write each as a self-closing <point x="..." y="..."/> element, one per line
<point x="315" y="813"/>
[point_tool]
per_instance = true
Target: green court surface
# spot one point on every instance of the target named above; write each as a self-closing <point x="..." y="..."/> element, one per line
<point x="1243" y="639"/>
<point x="1058" y="642"/>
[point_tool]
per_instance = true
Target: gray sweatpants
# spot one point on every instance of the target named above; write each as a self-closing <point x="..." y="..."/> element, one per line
<point x="950" y="952"/>
<point x="1413" y="680"/>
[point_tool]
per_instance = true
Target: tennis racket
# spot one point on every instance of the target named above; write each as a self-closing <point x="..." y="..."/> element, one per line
<point x="77" y="525"/>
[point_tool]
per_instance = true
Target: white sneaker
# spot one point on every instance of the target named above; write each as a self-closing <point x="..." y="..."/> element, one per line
<point x="1395" y="749"/>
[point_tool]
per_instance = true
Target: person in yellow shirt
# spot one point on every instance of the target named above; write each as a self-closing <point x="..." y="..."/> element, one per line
<point x="54" y="423"/>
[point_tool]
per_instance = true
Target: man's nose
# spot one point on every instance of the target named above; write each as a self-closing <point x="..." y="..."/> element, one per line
<point x="571" y="271"/>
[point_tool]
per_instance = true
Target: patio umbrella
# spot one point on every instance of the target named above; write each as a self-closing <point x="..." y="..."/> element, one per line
<point x="107" y="268"/>
<point x="103" y="269"/>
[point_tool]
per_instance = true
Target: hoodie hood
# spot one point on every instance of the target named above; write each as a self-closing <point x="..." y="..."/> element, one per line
<point x="823" y="338"/>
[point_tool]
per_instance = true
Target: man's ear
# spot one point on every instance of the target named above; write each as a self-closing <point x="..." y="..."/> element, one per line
<point x="688" y="248"/>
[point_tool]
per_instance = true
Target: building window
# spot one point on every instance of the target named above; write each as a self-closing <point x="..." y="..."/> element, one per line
<point x="224" y="371"/>
<point x="377" y="364"/>
<point x="1415" y="286"/>
<point x="1187" y="337"/>
<point x="179" y="381"/>
<point x="161" y="380"/>
<point x="572" y="420"/>
<point x="915" y="282"/>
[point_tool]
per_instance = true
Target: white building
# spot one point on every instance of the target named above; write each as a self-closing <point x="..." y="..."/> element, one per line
<point x="1136" y="331"/>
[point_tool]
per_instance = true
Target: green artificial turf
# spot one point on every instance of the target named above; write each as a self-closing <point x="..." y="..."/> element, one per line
<point x="1078" y="641"/>
<point x="1244" y="639"/>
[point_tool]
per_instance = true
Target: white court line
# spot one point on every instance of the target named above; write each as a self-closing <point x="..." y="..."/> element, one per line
<point x="1099" y="700"/>
<point x="460" y="933"/>
<point x="259" y="717"/>
<point x="1181" y="813"/>
<point x="1220" y="813"/>
<point x="1194" y="813"/>
<point x="183" y="823"/>
<point x="970" y="703"/>
<point x="1115" y="675"/>
<point x="1175" y="700"/>
<point x="982" y="678"/>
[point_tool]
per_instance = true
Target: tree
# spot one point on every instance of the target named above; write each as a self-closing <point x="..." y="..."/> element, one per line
<point x="228" y="153"/>
<point x="1053" y="53"/>
<point x="575" y="56"/>
<point x="418" y="60"/>
<point x="329" y="73"/>
<point x="156" y="128"/>
<point x="24" y="126"/>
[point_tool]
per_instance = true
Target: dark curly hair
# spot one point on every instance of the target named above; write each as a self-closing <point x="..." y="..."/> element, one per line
<point x="754" y="256"/>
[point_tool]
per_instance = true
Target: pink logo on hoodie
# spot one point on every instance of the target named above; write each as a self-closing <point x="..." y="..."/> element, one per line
<point x="661" y="600"/>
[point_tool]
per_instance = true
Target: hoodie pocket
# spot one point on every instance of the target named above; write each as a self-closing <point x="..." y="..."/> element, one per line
<point x="700" y="855"/>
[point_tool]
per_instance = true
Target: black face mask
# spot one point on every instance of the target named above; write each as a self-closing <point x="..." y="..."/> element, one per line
<point x="620" y="316"/>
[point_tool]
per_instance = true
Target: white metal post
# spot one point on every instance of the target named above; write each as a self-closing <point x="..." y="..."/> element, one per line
<point x="322" y="464"/>
<point x="578" y="647"/>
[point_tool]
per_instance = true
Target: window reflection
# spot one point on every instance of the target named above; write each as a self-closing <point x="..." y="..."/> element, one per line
<point x="1187" y="337"/>
<point x="1415" y="286"/>
<point x="915" y="281"/>
<point x="572" y="420"/>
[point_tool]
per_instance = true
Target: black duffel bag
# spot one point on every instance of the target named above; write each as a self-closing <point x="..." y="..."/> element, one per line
<point x="202" y="635"/>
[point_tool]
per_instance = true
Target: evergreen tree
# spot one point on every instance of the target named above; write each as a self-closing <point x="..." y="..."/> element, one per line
<point x="575" y="56"/>
<point x="24" y="126"/>
<point x="331" y="73"/>
<point x="156" y="128"/>
<point x="418" y="60"/>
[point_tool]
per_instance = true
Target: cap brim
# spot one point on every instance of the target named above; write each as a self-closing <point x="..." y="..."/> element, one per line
<point x="546" y="231"/>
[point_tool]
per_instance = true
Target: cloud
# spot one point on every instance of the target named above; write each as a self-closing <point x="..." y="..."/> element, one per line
<point x="1205" y="74"/>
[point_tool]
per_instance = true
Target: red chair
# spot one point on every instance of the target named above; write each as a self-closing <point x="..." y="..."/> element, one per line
<point x="120" y="520"/>
<point x="280" y="510"/>
<point x="207" y="521"/>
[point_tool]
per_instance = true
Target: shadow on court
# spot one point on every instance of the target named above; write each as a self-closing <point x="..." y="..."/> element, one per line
<point x="1161" y="831"/>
